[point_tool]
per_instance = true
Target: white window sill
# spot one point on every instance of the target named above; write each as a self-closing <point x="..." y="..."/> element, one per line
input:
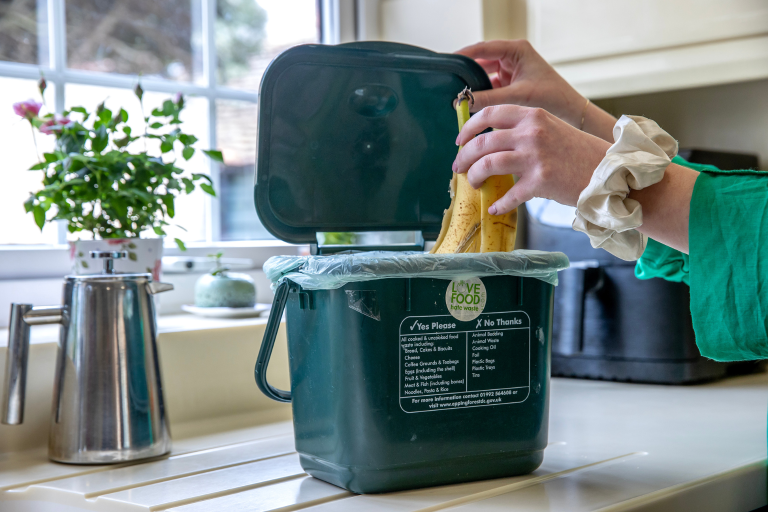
<point x="166" y="324"/>
<point x="34" y="275"/>
<point x="22" y="262"/>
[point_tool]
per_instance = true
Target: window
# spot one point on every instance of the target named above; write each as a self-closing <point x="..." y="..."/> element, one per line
<point x="212" y="51"/>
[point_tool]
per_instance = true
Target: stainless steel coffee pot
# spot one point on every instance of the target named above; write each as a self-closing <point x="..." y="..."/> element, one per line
<point x="107" y="395"/>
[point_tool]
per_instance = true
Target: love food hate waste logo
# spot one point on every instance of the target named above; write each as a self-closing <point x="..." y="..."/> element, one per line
<point x="465" y="298"/>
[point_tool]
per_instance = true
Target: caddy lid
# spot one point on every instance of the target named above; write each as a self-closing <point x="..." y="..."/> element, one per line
<point x="358" y="137"/>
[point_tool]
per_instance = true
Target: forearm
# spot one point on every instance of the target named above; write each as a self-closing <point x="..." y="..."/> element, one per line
<point x="598" y="122"/>
<point x="666" y="207"/>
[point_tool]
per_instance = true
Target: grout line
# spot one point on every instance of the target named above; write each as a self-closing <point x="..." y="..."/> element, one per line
<point x="109" y="467"/>
<point x="311" y="503"/>
<point x="505" y="489"/>
<point x="103" y="492"/>
<point x="655" y="497"/>
<point x="99" y="469"/>
<point x="219" y="494"/>
<point x="216" y="448"/>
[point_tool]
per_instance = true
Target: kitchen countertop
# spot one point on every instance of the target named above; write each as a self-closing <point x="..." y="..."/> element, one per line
<point x="613" y="447"/>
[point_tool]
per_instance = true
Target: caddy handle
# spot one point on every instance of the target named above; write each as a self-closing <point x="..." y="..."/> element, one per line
<point x="268" y="343"/>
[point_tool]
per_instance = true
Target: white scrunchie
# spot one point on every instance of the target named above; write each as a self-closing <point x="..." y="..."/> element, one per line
<point x="637" y="160"/>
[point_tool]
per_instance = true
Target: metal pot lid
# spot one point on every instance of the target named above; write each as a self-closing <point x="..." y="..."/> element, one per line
<point x="108" y="272"/>
<point x="110" y="277"/>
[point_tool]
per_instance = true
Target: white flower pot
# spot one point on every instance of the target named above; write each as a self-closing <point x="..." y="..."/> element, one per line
<point x="144" y="255"/>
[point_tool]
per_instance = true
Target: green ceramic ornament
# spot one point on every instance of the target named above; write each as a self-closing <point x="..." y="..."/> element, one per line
<point x="224" y="289"/>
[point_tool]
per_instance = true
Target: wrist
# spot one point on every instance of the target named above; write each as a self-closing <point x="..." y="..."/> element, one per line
<point x="598" y="122"/>
<point x="573" y="109"/>
<point x="666" y="207"/>
<point x="599" y="148"/>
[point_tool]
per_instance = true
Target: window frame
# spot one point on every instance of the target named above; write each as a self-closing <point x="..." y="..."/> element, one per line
<point x="44" y="261"/>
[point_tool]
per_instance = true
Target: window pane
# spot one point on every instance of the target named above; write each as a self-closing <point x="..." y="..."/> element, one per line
<point x="250" y="33"/>
<point x="190" y="210"/>
<point x="18" y="227"/>
<point x="18" y="31"/>
<point x="147" y="37"/>
<point x="236" y="132"/>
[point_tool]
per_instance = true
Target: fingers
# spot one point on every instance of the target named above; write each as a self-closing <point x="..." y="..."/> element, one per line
<point x="517" y="195"/>
<point x="499" y="117"/>
<point x="489" y="66"/>
<point x="489" y="97"/>
<point x="482" y="145"/>
<point x="504" y="162"/>
<point x="494" y="50"/>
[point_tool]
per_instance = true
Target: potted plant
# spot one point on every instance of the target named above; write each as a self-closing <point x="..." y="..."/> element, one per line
<point x="97" y="183"/>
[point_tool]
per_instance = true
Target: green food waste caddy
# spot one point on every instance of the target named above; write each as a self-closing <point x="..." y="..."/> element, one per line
<point x="407" y="369"/>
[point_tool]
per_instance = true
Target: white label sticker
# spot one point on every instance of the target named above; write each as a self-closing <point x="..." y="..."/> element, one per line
<point x="465" y="298"/>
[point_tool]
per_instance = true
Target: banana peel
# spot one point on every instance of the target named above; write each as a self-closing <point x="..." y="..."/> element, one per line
<point x="498" y="231"/>
<point x="467" y="226"/>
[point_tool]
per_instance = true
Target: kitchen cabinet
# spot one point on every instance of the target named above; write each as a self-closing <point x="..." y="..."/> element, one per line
<point x="605" y="48"/>
<point x="445" y="25"/>
<point x="619" y="47"/>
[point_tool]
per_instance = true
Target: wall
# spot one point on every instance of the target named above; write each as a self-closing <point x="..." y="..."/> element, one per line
<point x="725" y="117"/>
<point x="207" y="374"/>
<point x="448" y="25"/>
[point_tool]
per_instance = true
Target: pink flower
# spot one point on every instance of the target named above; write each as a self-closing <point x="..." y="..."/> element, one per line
<point x="27" y="109"/>
<point x="53" y="125"/>
<point x="156" y="269"/>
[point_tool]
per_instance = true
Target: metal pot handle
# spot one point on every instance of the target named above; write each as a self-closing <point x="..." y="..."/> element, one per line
<point x="268" y="343"/>
<point x="15" y="389"/>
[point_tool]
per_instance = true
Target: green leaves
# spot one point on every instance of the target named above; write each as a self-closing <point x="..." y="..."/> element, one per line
<point x="121" y="143"/>
<point x="94" y="182"/>
<point x="197" y="176"/>
<point x="51" y="157"/>
<point x="104" y="114"/>
<point x="169" y="108"/>
<point x="187" y="140"/>
<point x="167" y="200"/>
<point x="100" y="138"/>
<point x="189" y="185"/>
<point x="138" y="91"/>
<point x="180" y="244"/>
<point x="214" y="155"/>
<point x="39" y="214"/>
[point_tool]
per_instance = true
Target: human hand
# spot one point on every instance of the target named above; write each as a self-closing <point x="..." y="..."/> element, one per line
<point x="552" y="159"/>
<point x="520" y="76"/>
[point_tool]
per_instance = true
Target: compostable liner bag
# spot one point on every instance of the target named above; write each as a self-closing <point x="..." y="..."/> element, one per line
<point x="334" y="271"/>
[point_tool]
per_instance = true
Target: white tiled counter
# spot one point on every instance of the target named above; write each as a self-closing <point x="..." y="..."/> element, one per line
<point x="613" y="447"/>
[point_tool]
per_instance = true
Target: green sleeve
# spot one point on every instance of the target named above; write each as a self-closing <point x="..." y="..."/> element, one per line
<point x="658" y="260"/>
<point x="728" y="241"/>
